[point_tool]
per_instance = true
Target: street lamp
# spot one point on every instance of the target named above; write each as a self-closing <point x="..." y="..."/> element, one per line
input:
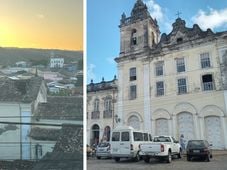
<point x="117" y="120"/>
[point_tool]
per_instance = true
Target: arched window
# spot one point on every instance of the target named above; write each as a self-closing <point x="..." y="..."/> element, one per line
<point x="134" y="122"/>
<point x="106" y="134"/>
<point x="95" y="134"/>
<point x="134" y="37"/>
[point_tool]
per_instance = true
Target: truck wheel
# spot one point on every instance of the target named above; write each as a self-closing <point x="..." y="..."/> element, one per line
<point x="117" y="159"/>
<point x="98" y="157"/>
<point x="146" y="159"/>
<point x="169" y="157"/>
<point x="179" y="154"/>
<point x="137" y="158"/>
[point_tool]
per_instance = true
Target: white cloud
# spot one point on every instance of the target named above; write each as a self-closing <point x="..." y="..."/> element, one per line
<point x="211" y="19"/>
<point x="90" y="72"/>
<point x="160" y="14"/>
<point x="40" y="16"/>
<point x="155" y="9"/>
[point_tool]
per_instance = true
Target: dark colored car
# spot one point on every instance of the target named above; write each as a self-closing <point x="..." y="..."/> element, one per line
<point x="199" y="149"/>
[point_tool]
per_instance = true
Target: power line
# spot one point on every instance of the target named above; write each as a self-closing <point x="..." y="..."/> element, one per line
<point x="40" y="117"/>
<point x="39" y="124"/>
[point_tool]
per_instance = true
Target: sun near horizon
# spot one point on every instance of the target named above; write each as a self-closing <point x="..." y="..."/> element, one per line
<point x="45" y="24"/>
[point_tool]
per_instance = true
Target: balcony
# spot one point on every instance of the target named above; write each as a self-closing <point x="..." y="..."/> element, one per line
<point x="107" y="114"/>
<point x="208" y="86"/>
<point x="95" y="115"/>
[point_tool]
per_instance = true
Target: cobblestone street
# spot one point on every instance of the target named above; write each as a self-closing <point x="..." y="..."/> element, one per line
<point x="219" y="162"/>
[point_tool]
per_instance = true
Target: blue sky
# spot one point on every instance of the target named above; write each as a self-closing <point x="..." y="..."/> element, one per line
<point x="103" y="18"/>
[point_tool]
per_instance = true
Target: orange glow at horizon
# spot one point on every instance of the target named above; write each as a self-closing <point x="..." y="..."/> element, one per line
<point x="45" y="24"/>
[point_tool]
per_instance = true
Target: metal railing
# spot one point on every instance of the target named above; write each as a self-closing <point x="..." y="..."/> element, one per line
<point x="95" y="115"/>
<point x="208" y="86"/>
<point x="107" y="113"/>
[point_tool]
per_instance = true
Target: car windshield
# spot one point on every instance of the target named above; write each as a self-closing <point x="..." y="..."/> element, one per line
<point x="196" y="144"/>
<point x="103" y="145"/>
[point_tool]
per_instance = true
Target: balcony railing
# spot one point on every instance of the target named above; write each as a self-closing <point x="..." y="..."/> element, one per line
<point x="208" y="86"/>
<point x="95" y="115"/>
<point x="107" y="113"/>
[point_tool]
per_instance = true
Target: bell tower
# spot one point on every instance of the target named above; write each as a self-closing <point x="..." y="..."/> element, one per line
<point x="138" y="32"/>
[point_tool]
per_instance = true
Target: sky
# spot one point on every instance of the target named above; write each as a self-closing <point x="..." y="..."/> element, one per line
<point x="48" y="24"/>
<point x="103" y="19"/>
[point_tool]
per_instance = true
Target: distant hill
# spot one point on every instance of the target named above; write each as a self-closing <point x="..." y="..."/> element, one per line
<point x="9" y="56"/>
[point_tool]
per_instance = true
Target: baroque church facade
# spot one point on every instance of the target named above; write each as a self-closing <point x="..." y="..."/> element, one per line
<point x="173" y="84"/>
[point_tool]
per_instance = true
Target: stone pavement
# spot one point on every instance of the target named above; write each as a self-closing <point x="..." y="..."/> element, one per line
<point x="215" y="152"/>
<point x="219" y="152"/>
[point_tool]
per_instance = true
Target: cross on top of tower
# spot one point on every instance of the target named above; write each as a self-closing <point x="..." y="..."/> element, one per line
<point x="178" y="14"/>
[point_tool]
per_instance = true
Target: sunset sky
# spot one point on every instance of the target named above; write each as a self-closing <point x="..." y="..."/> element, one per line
<point x="47" y="24"/>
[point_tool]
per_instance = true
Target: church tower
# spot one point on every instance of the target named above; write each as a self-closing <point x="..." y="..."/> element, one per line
<point x="138" y="32"/>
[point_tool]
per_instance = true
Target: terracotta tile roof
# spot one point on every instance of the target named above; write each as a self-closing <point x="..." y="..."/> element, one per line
<point x="24" y="91"/>
<point x="61" y="108"/>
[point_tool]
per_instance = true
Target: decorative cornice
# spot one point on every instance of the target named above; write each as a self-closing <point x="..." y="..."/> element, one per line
<point x="103" y="85"/>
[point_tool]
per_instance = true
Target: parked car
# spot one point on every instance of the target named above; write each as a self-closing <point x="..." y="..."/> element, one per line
<point x="199" y="149"/>
<point x="162" y="147"/>
<point x="103" y="150"/>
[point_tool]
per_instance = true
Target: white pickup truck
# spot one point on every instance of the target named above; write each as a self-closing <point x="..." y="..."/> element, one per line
<point x="162" y="147"/>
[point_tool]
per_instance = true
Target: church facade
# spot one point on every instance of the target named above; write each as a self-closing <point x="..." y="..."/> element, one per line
<point x="173" y="84"/>
<point x="101" y="109"/>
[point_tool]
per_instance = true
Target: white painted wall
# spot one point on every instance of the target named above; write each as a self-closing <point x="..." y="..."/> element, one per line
<point x="15" y="144"/>
<point x="102" y="122"/>
<point x="195" y="100"/>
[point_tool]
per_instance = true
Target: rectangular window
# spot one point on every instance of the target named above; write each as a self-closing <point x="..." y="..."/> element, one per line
<point x="132" y="92"/>
<point x="162" y="139"/>
<point x="160" y="88"/>
<point x="96" y="105"/>
<point x="180" y="65"/>
<point x="138" y="136"/>
<point x="145" y="137"/>
<point x="207" y="82"/>
<point x="115" y="136"/>
<point x="132" y="73"/>
<point x="205" y="60"/>
<point x="124" y="136"/>
<point x="182" y="86"/>
<point x="159" y="69"/>
<point x="107" y="105"/>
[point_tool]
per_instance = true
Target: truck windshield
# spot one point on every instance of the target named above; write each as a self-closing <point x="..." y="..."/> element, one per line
<point x="162" y="139"/>
<point x="138" y="136"/>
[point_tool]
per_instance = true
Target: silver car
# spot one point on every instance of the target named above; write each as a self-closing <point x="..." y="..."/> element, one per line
<point x="103" y="150"/>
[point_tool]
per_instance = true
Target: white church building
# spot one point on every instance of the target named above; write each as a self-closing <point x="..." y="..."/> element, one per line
<point x="171" y="84"/>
